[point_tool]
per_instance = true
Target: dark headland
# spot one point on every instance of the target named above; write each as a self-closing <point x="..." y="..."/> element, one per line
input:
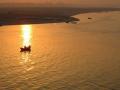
<point x="40" y="15"/>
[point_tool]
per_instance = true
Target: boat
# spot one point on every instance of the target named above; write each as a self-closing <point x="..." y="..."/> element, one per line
<point x="89" y="18"/>
<point x="25" y="49"/>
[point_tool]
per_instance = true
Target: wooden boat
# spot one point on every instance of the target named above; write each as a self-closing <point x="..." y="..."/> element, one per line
<point x="25" y="49"/>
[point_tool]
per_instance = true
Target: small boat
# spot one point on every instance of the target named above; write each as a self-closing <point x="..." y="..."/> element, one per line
<point x="25" y="49"/>
<point x="89" y="18"/>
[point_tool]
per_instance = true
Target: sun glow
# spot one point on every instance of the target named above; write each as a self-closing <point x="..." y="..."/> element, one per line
<point x="26" y="34"/>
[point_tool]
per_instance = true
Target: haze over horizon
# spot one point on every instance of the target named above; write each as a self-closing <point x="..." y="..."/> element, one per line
<point x="71" y="3"/>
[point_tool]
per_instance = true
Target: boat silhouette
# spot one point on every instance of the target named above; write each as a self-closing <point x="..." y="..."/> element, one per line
<point x="89" y="18"/>
<point x="25" y="49"/>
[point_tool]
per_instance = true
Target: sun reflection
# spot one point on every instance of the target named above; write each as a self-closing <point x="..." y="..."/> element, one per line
<point x="26" y="62"/>
<point x="26" y="34"/>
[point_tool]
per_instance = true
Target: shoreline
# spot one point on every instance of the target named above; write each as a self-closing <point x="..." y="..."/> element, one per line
<point x="36" y="15"/>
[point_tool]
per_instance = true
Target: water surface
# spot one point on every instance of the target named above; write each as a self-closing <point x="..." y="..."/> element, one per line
<point x="83" y="56"/>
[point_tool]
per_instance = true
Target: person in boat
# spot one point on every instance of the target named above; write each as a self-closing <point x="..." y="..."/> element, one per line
<point x="25" y="47"/>
<point x="29" y="46"/>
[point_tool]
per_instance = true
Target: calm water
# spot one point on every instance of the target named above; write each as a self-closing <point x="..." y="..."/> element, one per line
<point x="83" y="56"/>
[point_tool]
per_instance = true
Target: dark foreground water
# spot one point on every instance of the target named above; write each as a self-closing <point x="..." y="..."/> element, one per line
<point x="83" y="56"/>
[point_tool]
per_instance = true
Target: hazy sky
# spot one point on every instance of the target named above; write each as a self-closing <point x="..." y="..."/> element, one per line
<point x="83" y="3"/>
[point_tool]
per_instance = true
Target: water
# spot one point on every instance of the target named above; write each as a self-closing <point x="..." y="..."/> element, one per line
<point x="83" y="56"/>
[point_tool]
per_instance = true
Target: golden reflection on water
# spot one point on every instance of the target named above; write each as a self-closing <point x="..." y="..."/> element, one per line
<point x="26" y="62"/>
<point x="26" y="34"/>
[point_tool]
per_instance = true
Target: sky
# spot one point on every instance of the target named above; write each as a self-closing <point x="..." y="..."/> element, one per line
<point x="79" y="3"/>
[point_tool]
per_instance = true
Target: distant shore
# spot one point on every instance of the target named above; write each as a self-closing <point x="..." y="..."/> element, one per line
<point x="39" y="15"/>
